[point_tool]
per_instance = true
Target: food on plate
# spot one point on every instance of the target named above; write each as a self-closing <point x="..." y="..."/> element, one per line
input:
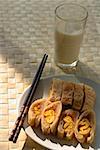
<point x="35" y="110"/>
<point x="90" y="97"/>
<point x="85" y="127"/>
<point x="78" y="96"/>
<point x="67" y="93"/>
<point x="55" y="90"/>
<point x="67" y="123"/>
<point x="75" y="122"/>
<point x="50" y="117"/>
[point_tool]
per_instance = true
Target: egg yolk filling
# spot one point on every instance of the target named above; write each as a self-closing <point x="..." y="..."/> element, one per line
<point x="68" y="124"/>
<point x="49" y="116"/>
<point x="37" y="110"/>
<point x="84" y="127"/>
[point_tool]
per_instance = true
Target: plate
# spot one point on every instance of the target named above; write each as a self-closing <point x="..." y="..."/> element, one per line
<point x="52" y="142"/>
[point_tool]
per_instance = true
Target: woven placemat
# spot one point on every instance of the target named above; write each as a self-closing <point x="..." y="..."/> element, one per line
<point x="26" y="33"/>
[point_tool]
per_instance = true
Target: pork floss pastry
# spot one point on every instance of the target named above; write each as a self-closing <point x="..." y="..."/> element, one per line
<point x="78" y="96"/>
<point x="89" y="98"/>
<point x="34" y="113"/>
<point x="55" y="90"/>
<point x="50" y="117"/>
<point x="67" y="123"/>
<point x="85" y="127"/>
<point x="67" y="93"/>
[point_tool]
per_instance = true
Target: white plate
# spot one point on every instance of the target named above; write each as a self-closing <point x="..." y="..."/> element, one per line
<point x="52" y="142"/>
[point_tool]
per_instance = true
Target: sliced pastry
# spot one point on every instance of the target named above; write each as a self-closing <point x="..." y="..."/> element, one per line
<point x="85" y="127"/>
<point x="50" y="117"/>
<point x="89" y="98"/>
<point x="67" y="93"/>
<point x="78" y="96"/>
<point x="67" y="123"/>
<point x="35" y="110"/>
<point x="55" y="90"/>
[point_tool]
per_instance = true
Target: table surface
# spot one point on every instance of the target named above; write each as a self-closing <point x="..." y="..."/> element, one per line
<point x="26" y="33"/>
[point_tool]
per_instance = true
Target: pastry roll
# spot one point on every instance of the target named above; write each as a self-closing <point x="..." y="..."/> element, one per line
<point x="85" y="127"/>
<point x="34" y="113"/>
<point x="55" y="90"/>
<point x="67" y="123"/>
<point x="67" y="93"/>
<point x="78" y="96"/>
<point x="90" y="97"/>
<point x="50" y="117"/>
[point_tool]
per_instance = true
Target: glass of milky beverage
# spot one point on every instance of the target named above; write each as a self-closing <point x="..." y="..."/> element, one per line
<point x="70" y="21"/>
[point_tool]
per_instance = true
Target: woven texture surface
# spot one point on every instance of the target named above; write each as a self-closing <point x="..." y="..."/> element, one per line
<point x="26" y="33"/>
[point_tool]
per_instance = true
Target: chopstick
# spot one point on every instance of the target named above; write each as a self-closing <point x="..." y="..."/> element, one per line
<point x="20" y="120"/>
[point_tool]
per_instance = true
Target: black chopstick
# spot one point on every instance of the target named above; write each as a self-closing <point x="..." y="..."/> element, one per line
<point x="29" y="100"/>
<point x="19" y="122"/>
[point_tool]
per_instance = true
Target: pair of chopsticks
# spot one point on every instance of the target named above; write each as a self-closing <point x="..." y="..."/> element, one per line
<point x="20" y="120"/>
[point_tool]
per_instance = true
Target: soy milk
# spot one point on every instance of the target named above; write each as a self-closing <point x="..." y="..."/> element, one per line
<point x="67" y="45"/>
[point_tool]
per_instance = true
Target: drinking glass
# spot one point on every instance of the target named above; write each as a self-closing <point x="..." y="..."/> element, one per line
<point x="70" y="21"/>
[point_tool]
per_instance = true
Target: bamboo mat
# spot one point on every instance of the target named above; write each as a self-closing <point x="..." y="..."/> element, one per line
<point x="26" y="33"/>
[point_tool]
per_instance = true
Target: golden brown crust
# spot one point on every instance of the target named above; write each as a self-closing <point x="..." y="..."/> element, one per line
<point x="87" y="125"/>
<point x="67" y="93"/>
<point x="67" y="123"/>
<point x="50" y="117"/>
<point x="34" y="113"/>
<point x="90" y="97"/>
<point x="55" y="90"/>
<point x="78" y="96"/>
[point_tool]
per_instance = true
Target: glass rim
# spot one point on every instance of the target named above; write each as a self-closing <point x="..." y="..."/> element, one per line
<point x="78" y="20"/>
